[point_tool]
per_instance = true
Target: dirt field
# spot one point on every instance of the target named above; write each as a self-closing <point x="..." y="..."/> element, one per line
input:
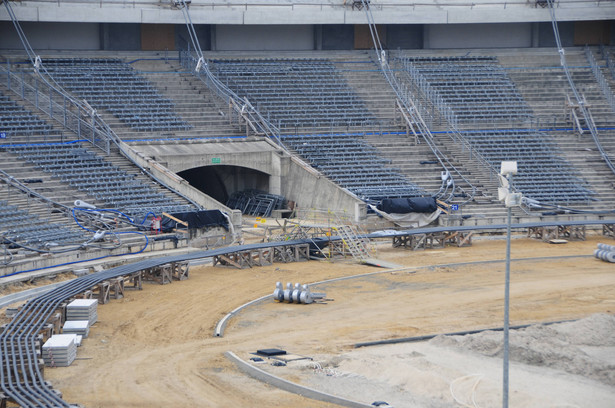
<point x="155" y="348"/>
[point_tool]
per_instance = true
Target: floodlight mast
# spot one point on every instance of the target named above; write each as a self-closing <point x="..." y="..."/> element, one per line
<point x="507" y="169"/>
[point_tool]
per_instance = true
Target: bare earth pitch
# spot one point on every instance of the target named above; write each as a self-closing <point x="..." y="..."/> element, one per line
<point x="156" y="348"/>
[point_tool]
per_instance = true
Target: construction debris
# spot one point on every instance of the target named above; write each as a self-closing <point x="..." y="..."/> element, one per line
<point x="255" y="202"/>
<point x="298" y="294"/>
<point x="605" y="252"/>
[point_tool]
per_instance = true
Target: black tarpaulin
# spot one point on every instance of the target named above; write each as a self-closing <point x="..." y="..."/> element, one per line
<point x="408" y="205"/>
<point x="196" y="219"/>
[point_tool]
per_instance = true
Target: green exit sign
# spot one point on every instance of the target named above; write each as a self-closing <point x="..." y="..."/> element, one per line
<point x="215" y="160"/>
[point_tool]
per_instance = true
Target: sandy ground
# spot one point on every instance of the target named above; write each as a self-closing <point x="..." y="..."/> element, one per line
<point x="155" y="348"/>
<point x="566" y="365"/>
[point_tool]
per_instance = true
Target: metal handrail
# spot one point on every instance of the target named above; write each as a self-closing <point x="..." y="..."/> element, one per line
<point x="408" y="103"/>
<point x="58" y="106"/>
<point x="12" y="182"/>
<point x="63" y="109"/>
<point x="581" y="102"/>
<point x="602" y="82"/>
<point x="445" y="110"/>
<point x="242" y="108"/>
<point x="73" y="111"/>
<point x="194" y="60"/>
<point x="609" y="61"/>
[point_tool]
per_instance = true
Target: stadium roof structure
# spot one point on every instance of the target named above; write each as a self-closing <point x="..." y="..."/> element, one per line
<point x="260" y="12"/>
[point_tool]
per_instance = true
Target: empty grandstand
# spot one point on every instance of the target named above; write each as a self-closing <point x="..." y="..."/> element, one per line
<point x="16" y="120"/>
<point x="296" y="94"/>
<point x="99" y="179"/>
<point x="477" y="93"/>
<point x="111" y="84"/>
<point x="354" y="164"/>
<point x="128" y="128"/>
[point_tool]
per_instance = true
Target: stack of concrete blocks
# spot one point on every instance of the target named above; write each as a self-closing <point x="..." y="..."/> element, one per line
<point x="60" y="350"/>
<point x="80" y="315"/>
<point x="79" y="327"/>
<point x="83" y="309"/>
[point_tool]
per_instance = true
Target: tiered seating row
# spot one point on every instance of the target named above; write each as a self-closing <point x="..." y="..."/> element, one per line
<point x="353" y="164"/>
<point x="543" y="175"/>
<point x="296" y="93"/>
<point x="113" y="85"/>
<point x="28" y="229"/>
<point x="477" y="89"/>
<point x="99" y="179"/>
<point x="16" y="120"/>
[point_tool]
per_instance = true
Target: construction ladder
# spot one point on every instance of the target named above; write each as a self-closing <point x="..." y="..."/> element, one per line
<point x="358" y="247"/>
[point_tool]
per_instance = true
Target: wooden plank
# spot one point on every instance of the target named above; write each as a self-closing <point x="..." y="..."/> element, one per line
<point x="229" y="261"/>
<point x="136" y="279"/>
<point x="117" y="287"/>
<point x="467" y="240"/>
<point x="608" y="230"/>
<point x="103" y="292"/>
<point x="175" y="219"/>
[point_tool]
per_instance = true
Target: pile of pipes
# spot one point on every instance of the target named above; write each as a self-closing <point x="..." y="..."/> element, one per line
<point x="605" y="252"/>
<point x="298" y="294"/>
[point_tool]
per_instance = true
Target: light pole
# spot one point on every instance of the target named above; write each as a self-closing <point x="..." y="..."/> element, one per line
<point x="507" y="169"/>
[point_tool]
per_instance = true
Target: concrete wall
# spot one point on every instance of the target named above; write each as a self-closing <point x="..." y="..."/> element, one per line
<point x="287" y="176"/>
<point x="478" y="35"/>
<point x="547" y="39"/>
<point x="120" y="37"/>
<point x="127" y="36"/>
<point x="273" y="12"/>
<point x="52" y="36"/>
<point x="203" y="32"/>
<point x="264" y="38"/>
<point x="182" y="186"/>
<point x="405" y="36"/>
<point x="309" y="189"/>
<point x="337" y="37"/>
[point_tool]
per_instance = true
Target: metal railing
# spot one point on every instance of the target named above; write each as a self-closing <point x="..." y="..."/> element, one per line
<point x="47" y="95"/>
<point x="195" y="62"/>
<point x="602" y="82"/>
<point x="414" y="118"/>
<point x="609" y="61"/>
<point x="581" y="103"/>
<point x="451" y="118"/>
<point x="87" y="125"/>
<point x="241" y="110"/>
<point x="431" y="94"/>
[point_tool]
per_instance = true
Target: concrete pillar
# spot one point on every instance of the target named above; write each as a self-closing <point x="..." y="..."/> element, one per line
<point x="212" y="38"/>
<point x="275" y="179"/>
<point x="318" y="37"/>
<point x="426" y="36"/>
<point x="535" y="35"/>
<point x="360" y="212"/>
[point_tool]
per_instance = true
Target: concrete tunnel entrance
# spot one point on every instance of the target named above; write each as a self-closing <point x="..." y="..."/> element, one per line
<point x="219" y="182"/>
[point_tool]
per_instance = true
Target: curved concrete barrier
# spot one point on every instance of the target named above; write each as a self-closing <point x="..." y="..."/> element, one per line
<point x="289" y="386"/>
<point x="27" y="294"/>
